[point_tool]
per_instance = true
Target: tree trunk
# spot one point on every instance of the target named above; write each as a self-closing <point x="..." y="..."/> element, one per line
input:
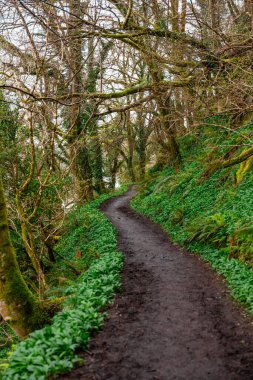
<point x="131" y="169"/>
<point x="30" y="249"/>
<point x="83" y="172"/>
<point x="113" y="180"/>
<point x="98" y="168"/>
<point x="163" y="104"/>
<point x="96" y="159"/>
<point x="27" y="237"/>
<point x="114" y="166"/>
<point x="142" y="163"/>
<point x="141" y="149"/>
<point x="77" y="138"/>
<point x="174" y="156"/>
<point x="18" y="306"/>
<point x="131" y="146"/>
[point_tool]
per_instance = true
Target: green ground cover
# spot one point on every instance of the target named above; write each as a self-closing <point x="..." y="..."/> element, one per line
<point x="89" y="243"/>
<point x="212" y="216"/>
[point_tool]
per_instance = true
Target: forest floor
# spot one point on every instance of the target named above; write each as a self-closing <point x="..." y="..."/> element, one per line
<point x="172" y="320"/>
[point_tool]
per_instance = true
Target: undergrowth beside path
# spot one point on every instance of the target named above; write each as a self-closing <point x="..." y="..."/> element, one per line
<point x="204" y="217"/>
<point x="51" y="350"/>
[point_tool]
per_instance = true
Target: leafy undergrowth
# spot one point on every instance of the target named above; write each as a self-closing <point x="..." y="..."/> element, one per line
<point x="7" y="339"/>
<point x="177" y="210"/>
<point x="210" y="216"/>
<point x="51" y="350"/>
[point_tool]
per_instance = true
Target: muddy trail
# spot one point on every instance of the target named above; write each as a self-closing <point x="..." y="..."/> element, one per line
<point x="173" y="318"/>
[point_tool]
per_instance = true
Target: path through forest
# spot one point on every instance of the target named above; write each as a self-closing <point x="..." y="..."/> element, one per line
<point x="173" y="319"/>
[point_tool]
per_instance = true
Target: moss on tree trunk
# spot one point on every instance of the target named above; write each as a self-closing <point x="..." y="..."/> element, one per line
<point x="18" y="306"/>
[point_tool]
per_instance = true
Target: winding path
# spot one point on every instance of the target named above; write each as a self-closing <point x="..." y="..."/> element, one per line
<point x="173" y="319"/>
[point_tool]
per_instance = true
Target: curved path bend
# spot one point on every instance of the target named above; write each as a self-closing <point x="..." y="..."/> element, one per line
<point x="172" y="320"/>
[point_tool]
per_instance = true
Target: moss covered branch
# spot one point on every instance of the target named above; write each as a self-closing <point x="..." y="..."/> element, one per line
<point x="141" y="87"/>
<point x="222" y="164"/>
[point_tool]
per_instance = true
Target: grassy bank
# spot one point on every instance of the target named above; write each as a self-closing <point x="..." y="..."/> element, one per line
<point x="88" y="246"/>
<point x="210" y="215"/>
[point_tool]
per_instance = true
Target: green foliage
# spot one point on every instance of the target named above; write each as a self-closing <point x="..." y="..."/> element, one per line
<point x="8" y="123"/>
<point x="52" y="349"/>
<point x="241" y="243"/>
<point x="211" y="217"/>
<point x="8" y="133"/>
<point x="211" y="229"/>
<point x="177" y="216"/>
<point x="238" y="276"/>
<point x="7" y="339"/>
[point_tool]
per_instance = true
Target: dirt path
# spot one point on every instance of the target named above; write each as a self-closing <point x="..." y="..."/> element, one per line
<point x="173" y="319"/>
